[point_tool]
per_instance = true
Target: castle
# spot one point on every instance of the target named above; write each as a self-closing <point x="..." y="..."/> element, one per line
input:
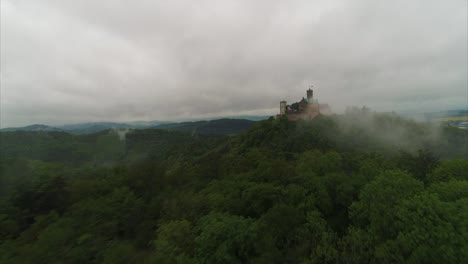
<point x="306" y="109"/>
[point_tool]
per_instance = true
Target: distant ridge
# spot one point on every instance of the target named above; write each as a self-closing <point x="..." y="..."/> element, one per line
<point x="225" y="126"/>
<point x="245" y="117"/>
<point x="35" y="127"/>
<point x="93" y="127"/>
<point x="213" y="126"/>
<point x="446" y="114"/>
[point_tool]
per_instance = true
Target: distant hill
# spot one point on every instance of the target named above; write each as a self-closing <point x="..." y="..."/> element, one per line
<point x="223" y="126"/>
<point x="446" y="114"/>
<point x="218" y="126"/>
<point x="93" y="127"/>
<point x="146" y="124"/>
<point x="456" y="118"/>
<point x="245" y="117"/>
<point x="83" y="128"/>
<point x="36" y="127"/>
<point x="434" y="116"/>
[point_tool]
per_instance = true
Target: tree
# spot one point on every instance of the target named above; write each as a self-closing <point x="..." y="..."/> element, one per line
<point x="118" y="252"/>
<point x="225" y="238"/>
<point x="450" y="191"/>
<point x="431" y="231"/>
<point x="455" y="169"/>
<point x="321" y="240"/>
<point x="175" y="243"/>
<point x="378" y="201"/>
<point x="420" y="165"/>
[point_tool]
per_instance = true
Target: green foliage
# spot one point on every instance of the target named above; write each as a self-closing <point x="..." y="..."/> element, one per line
<point x="175" y="242"/>
<point x="121" y="252"/>
<point x="456" y="169"/>
<point x="431" y="231"/>
<point x="450" y="191"/>
<point x="420" y="165"/>
<point x="314" y="162"/>
<point x="339" y="189"/>
<point x="225" y="238"/>
<point x="379" y="199"/>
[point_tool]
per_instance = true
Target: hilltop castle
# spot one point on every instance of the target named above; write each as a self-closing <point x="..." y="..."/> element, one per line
<point x="306" y="109"/>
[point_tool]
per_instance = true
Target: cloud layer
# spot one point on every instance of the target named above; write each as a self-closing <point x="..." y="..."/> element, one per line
<point x="65" y="61"/>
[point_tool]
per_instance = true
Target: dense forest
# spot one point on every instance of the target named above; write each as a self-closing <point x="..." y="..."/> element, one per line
<point x="355" y="188"/>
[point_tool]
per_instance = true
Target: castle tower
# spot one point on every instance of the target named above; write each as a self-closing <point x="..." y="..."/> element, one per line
<point x="282" y="107"/>
<point x="310" y="95"/>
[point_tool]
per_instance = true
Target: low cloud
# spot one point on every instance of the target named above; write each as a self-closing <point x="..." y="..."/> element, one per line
<point x="72" y="61"/>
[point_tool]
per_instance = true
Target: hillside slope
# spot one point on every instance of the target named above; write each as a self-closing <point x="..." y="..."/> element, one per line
<point x="335" y="190"/>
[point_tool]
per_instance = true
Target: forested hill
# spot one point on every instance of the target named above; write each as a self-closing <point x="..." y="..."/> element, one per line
<point x="216" y="126"/>
<point x="357" y="188"/>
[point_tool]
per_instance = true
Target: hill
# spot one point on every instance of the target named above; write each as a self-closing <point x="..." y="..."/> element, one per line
<point x="93" y="127"/>
<point x="358" y="188"/>
<point x="215" y="126"/>
<point x="219" y="126"/>
<point x="36" y="127"/>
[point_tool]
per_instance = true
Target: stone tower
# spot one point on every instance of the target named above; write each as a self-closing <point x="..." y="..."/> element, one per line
<point x="310" y="95"/>
<point x="282" y="107"/>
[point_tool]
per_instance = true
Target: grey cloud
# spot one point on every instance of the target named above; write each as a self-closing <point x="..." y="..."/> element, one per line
<point x="72" y="61"/>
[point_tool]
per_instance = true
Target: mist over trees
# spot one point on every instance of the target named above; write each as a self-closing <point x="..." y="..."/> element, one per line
<point x="357" y="188"/>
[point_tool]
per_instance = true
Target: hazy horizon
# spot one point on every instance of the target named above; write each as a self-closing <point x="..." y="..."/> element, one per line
<point x="65" y="62"/>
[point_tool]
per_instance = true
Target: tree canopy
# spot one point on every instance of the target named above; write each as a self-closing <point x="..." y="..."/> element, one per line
<point x="334" y="190"/>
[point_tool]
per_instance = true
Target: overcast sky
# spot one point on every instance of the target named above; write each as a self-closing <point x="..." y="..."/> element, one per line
<point x="69" y="61"/>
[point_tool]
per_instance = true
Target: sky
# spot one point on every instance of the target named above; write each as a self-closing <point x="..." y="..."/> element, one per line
<point x="68" y="61"/>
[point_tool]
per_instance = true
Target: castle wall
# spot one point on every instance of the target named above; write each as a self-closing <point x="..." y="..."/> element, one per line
<point x="282" y="107"/>
<point x="310" y="94"/>
<point x="302" y="116"/>
<point x="308" y="113"/>
<point x="307" y="109"/>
